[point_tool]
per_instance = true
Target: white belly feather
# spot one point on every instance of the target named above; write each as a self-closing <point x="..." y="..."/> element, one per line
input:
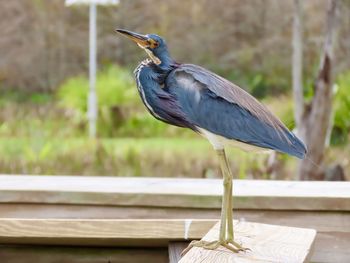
<point x="219" y="142"/>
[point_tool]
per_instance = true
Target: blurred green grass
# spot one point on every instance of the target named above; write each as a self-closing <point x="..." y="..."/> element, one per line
<point x="43" y="133"/>
<point x="160" y="157"/>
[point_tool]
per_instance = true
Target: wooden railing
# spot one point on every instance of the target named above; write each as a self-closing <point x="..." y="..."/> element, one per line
<point x="150" y="212"/>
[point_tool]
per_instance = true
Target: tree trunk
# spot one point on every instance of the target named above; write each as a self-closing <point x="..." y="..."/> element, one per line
<point x="315" y="117"/>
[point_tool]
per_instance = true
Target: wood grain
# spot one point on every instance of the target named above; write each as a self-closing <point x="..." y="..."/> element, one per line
<point x="268" y="243"/>
<point x="165" y="192"/>
<point x="322" y="221"/>
<point x="100" y="232"/>
<point x="326" y="206"/>
<point x="63" y="254"/>
<point x="175" y="249"/>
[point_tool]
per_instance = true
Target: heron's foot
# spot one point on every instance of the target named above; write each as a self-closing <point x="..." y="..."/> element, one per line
<point x="237" y="246"/>
<point x="212" y="245"/>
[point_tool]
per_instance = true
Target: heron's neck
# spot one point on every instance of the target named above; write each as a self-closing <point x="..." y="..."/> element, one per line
<point x="159" y="71"/>
<point x="166" y="61"/>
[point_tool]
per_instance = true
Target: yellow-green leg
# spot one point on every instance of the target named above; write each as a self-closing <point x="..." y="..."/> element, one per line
<point x="225" y="198"/>
<point x="230" y="232"/>
<point x="226" y="238"/>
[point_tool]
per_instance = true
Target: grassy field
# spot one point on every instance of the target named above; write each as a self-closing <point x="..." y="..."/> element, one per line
<point x="164" y="157"/>
<point x="39" y="136"/>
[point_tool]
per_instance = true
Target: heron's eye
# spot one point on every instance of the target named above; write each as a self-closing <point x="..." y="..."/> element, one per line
<point x="152" y="43"/>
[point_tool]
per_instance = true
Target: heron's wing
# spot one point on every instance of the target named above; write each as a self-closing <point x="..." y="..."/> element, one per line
<point x="166" y="108"/>
<point x="230" y="92"/>
<point x="220" y="107"/>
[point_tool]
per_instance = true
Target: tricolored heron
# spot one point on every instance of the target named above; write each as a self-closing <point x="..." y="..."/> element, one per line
<point x="190" y="96"/>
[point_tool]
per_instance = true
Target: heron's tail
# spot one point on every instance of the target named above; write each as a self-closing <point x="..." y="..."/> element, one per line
<point x="297" y="147"/>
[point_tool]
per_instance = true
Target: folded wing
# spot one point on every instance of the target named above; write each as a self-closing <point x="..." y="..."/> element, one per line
<point x="220" y="107"/>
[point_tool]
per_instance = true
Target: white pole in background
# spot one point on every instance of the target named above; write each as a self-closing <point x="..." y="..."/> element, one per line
<point x="92" y="97"/>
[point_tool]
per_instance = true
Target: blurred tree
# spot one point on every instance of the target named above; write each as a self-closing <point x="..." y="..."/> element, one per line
<point x="43" y="42"/>
<point x="313" y="119"/>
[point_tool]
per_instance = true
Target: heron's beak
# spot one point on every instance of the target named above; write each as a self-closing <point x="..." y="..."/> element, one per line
<point x="141" y="40"/>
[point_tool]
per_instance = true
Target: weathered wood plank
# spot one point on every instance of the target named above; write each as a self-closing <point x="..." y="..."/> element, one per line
<point x="332" y="221"/>
<point x="268" y="243"/>
<point x="55" y="254"/>
<point x="40" y="197"/>
<point x="330" y="246"/>
<point x="165" y="192"/>
<point x="175" y="249"/>
<point x="101" y="232"/>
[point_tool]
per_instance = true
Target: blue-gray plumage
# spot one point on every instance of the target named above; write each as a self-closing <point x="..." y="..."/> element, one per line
<point x="235" y="116"/>
<point x="190" y="96"/>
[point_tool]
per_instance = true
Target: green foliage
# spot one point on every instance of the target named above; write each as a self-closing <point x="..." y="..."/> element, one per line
<point x="40" y="98"/>
<point x="283" y="107"/>
<point x="115" y="90"/>
<point x="27" y="120"/>
<point x="145" y="125"/>
<point x="341" y="106"/>
<point x="33" y="115"/>
<point x="114" y="86"/>
<point x="159" y="157"/>
<point x="142" y="122"/>
<point x="8" y="97"/>
<point x="73" y="93"/>
<point x="120" y="111"/>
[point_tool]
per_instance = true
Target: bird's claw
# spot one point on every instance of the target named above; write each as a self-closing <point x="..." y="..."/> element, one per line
<point x="212" y="245"/>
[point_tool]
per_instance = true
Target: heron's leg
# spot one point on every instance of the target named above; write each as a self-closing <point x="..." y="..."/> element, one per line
<point x="226" y="223"/>
<point x="227" y="195"/>
<point x="230" y="233"/>
<point x="223" y="221"/>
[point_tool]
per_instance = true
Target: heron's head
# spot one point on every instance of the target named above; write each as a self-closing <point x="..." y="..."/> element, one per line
<point x="153" y="44"/>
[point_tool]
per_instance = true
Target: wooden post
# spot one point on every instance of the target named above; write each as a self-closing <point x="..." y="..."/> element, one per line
<point x="175" y="249"/>
<point x="268" y="243"/>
